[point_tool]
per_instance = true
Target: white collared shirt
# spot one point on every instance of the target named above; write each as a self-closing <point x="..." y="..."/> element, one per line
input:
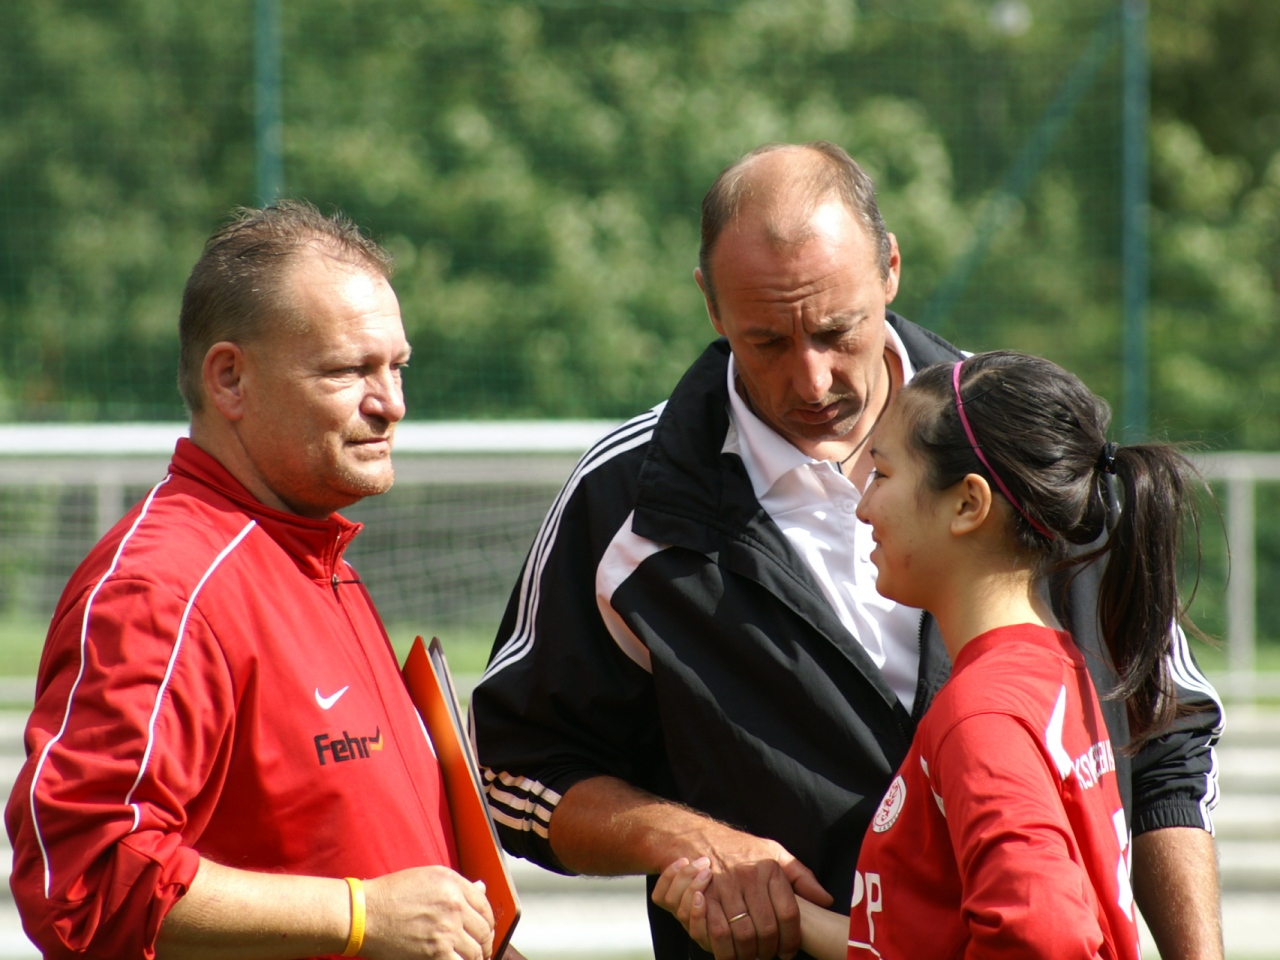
<point x="813" y="504"/>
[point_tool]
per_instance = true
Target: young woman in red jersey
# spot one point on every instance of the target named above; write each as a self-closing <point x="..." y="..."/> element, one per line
<point x="1003" y="833"/>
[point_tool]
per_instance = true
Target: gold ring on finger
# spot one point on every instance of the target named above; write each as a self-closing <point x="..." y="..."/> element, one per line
<point x="744" y="913"/>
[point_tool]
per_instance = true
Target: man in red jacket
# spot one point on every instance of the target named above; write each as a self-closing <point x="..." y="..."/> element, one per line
<point x="221" y="737"/>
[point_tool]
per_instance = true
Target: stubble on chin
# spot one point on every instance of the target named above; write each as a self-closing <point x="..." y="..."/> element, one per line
<point x="840" y="428"/>
<point x="359" y="472"/>
<point x="373" y="479"/>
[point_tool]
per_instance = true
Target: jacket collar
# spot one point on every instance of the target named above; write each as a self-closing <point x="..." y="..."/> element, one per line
<point x="690" y="493"/>
<point x="767" y="455"/>
<point x="315" y="545"/>
<point x="682" y="498"/>
<point x="693" y="495"/>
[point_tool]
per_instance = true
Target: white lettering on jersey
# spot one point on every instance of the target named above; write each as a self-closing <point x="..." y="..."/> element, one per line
<point x="1124" y="866"/>
<point x="1093" y="763"/>
<point x="1090" y="766"/>
<point x="868" y="885"/>
<point x="875" y="904"/>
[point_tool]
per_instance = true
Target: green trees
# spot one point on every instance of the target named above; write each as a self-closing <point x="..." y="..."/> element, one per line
<point x="1216" y="226"/>
<point x="537" y="167"/>
<point x="121" y="142"/>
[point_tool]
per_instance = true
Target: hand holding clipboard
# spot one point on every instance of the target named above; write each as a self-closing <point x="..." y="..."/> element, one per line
<point x="480" y="856"/>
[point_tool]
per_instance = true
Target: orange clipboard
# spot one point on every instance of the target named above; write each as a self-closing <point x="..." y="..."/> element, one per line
<point x="480" y="856"/>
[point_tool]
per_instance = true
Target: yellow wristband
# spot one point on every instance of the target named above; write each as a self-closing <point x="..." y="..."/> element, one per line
<point x="356" y="940"/>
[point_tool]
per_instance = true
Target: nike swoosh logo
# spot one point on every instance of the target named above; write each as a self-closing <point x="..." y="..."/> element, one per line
<point x="329" y="701"/>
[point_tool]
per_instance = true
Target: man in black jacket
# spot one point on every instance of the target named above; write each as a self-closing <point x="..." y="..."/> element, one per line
<point x="695" y="660"/>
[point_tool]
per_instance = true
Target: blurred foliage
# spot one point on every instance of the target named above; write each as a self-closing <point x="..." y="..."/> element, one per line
<point x="1216" y="221"/>
<point x="536" y="167"/>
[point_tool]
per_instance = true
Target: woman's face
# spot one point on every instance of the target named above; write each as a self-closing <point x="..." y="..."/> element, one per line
<point x="908" y="523"/>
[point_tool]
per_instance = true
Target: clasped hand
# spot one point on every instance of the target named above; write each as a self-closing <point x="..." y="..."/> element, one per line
<point x="740" y="907"/>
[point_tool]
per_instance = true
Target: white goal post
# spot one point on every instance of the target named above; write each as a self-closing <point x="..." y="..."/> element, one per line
<point x="442" y="549"/>
<point x="448" y="540"/>
<point x="111" y="457"/>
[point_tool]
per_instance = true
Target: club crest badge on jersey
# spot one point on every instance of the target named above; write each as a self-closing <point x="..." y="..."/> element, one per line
<point x="890" y="806"/>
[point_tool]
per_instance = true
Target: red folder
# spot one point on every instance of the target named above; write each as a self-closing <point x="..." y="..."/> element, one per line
<point x="480" y="857"/>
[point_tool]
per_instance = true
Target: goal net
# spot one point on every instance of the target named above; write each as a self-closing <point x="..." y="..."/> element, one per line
<point x="439" y="553"/>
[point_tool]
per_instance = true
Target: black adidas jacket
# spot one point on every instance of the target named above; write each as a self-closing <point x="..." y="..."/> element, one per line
<point x="664" y="632"/>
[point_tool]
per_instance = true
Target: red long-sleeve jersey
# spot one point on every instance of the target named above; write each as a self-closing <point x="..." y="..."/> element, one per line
<point x="216" y="683"/>
<point x="1003" y="833"/>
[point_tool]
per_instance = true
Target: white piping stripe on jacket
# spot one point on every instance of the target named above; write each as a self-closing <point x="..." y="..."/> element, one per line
<point x="527" y="804"/>
<point x="634" y="433"/>
<point x="531" y="787"/>
<point x="513" y="802"/>
<point x="173" y="659"/>
<point x="625" y="553"/>
<point x="519" y="824"/>
<point x="1188" y="676"/>
<point x="66" y="716"/>
<point x="530" y="797"/>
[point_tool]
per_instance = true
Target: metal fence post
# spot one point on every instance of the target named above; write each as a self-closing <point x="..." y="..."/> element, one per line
<point x="1134" y="200"/>
<point x="1241" y="589"/>
<point x="268" y="114"/>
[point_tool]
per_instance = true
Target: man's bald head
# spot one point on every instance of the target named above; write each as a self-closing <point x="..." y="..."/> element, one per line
<point x="782" y="185"/>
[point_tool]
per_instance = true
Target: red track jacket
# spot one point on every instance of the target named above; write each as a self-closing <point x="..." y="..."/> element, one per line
<point x="1003" y="834"/>
<point x="216" y="683"/>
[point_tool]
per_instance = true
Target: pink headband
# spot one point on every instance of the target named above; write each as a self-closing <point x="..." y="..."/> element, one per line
<point x="973" y="442"/>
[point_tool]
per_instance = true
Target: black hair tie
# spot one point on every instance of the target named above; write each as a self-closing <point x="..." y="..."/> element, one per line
<point x="1107" y="459"/>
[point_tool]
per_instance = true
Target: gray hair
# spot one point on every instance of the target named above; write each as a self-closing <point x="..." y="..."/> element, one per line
<point x="236" y="289"/>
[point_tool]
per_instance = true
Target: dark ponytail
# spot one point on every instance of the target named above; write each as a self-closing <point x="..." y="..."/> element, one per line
<point x="1038" y="435"/>
<point x="1138" y="604"/>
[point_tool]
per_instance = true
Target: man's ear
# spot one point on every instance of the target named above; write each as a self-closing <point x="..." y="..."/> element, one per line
<point x="706" y="295"/>
<point x="223" y="379"/>
<point x="971" y="504"/>
<point x="895" y="271"/>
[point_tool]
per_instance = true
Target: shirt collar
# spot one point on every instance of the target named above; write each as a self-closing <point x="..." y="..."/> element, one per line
<point x="315" y="545"/>
<point x="766" y="454"/>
